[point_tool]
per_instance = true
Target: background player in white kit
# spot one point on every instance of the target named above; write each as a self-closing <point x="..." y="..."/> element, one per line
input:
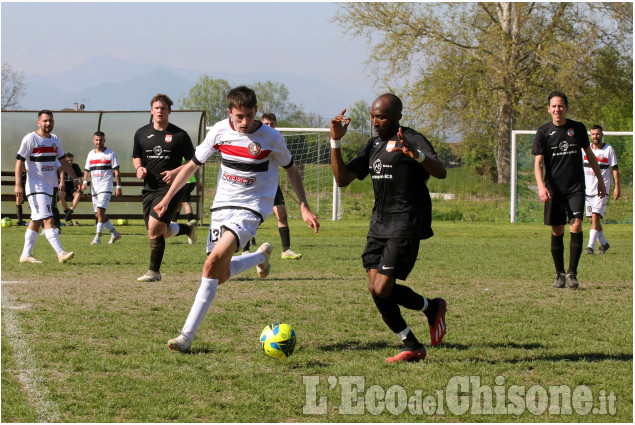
<point x="595" y="205"/>
<point x="246" y="186"/>
<point x="40" y="153"/>
<point x="102" y="166"/>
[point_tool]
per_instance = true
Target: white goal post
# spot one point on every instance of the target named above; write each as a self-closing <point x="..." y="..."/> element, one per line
<point x="513" y="209"/>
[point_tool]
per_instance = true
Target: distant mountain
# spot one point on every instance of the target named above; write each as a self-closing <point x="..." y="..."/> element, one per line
<point x="105" y="83"/>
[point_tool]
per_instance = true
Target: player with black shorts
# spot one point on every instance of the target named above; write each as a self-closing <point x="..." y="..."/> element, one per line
<point x="159" y="148"/>
<point x="559" y="145"/>
<point x="67" y="192"/>
<point x="400" y="161"/>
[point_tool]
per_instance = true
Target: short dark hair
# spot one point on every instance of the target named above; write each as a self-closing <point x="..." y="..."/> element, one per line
<point x="269" y="116"/>
<point x="45" y="111"/>
<point x="241" y="97"/>
<point x="99" y="133"/>
<point x="559" y="94"/>
<point x="69" y="155"/>
<point x="598" y="127"/>
<point x="160" y="97"/>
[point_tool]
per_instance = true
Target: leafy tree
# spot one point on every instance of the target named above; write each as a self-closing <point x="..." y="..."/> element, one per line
<point x="13" y="87"/>
<point x="209" y="94"/>
<point x="360" y="117"/>
<point x="486" y="67"/>
<point x="274" y="97"/>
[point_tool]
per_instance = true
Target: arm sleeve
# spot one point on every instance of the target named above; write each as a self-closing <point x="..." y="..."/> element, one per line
<point x="359" y="164"/>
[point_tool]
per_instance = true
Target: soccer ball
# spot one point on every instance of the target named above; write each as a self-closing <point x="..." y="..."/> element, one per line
<point x="6" y="222"/>
<point x="122" y="222"/>
<point x="278" y="340"/>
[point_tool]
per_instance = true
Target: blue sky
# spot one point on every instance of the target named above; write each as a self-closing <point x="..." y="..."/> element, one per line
<point x="46" y="38"/>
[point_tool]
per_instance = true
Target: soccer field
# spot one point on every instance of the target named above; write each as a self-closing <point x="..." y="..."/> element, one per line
<point x="85" y="342"/>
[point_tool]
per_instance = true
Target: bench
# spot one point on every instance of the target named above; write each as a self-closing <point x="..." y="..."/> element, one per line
<point x="131" y="188"/>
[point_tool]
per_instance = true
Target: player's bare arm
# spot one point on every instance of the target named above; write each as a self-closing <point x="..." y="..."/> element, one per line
<point x="68" y="169"/>
<point x="432" y="165"/>
<point x="593" y="162"/>
<point x="181" y="178"/>
<point x="18" y="191"/>
<point x="85" y="183"/>
<point x="543" y="192"/>
<point x="118" y="192"/>
<point x="343" y="176"/>
<point x="616" y="179"/>
<point x="142" y="172"/>
<point x="296" y="182"/>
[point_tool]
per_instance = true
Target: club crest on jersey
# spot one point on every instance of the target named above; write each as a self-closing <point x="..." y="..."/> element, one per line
<point x="390" y="145"/>
<point x="157" y="150"/>
<point x="168" y="138"/>
<point x="377" y="168"/>
<point x="570" y="132"/>
<point x="563" y="146"/>
<point x="254" y="148"/>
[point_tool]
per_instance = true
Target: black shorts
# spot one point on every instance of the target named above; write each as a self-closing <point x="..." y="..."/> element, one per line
<point x="279" y="199"/>
<point x="393" y="257"/>
<point x="69" y="189"/>
<point x="562" y="208"/>
<point x="187" y="191"/>
<point x="152" y="198"/>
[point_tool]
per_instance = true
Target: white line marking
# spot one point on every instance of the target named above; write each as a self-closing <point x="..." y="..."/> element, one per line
<point x="27" y="373"/>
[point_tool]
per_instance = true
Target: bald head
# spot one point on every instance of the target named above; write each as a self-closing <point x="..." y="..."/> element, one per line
<point x="385" y="113"/>
<point x="390" y="102"/>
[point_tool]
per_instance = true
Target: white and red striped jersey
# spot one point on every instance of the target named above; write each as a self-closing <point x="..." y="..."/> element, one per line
<point x="41" y="158"/>
<point x="606" y="160"/>
<point x="248" y="176"/>
<point x="101" y="166"/>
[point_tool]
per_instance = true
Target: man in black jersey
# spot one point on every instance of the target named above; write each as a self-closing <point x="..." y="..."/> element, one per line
<point x="67" y="190"/>
<point x="400" y="162"/>
<point x="159" y="148"/>
<point x="559" y="144"/>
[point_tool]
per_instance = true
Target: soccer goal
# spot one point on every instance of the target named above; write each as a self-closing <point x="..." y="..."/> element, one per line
<point x="311" y="152"/>
<point x="525" y="206"/>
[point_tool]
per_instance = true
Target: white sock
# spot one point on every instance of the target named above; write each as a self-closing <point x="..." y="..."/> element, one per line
<point x="51" y="235"/>
<point x="593" y="237"/>
<point x="30" y="237"/>
<point x="100" y="228"/>
<point x="240" y="263"/>
<point x="404" y="334"/>
<point x="108" y="225"/>
<point x="425" y="304"/>
<point x="174" y="229"/>
<point x="204" y="297"/>
<point x="603" y="240"/>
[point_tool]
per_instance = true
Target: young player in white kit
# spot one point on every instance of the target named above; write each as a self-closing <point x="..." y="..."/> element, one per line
<point x="102" y="166"/>
<point x="246" y="187"/>
<point x="595" y="205"/>
<point x="41" y="153"/>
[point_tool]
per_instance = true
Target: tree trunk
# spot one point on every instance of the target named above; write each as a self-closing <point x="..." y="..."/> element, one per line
<point x="503" y="142"/>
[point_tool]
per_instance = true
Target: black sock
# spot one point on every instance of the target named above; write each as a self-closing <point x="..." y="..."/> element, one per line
<point x="391" y="315"/>
<point x="285" y="238"/>
<point x="406" y="297"/>
<point x="190" y="216"/>
<point x="19" y="212"/>
<point x="183" y="230"/>
<point x="178" y="214"/>
<point x="575" y="251"/>
<point x="557" y="252"/>
<point x="157" y="248"/>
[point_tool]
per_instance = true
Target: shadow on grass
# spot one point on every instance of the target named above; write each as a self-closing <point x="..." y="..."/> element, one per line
<point x="355" y="345"/>
<point x="584" y="357"/>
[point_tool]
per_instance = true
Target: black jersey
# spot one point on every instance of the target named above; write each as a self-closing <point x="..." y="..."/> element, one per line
<point x="78" y="173"/>
<point x="403" y="208"/>
<point x="562" y="149"/>
<point x="161" y="151"/>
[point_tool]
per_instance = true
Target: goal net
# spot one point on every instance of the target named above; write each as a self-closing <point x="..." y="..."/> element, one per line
<point x="311" y="152"/>
<point x="525" y="205"/>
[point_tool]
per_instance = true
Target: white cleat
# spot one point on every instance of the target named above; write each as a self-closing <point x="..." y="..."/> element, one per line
<point x="180" y="343"/>
<point x="191" y="238"/>
<point x="265" y="267"/>
<point x="150" y="276"/>
<point x="29" y="259"/>
<point x="96" y="241"/>
<point x="114" y="237"/>
<point x="65" y="256"/>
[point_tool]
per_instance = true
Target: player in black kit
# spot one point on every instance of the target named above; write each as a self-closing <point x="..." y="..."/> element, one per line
<point x="559" y="145"/>
<point x="400" y="162"/>
<point x="159" y="148"/>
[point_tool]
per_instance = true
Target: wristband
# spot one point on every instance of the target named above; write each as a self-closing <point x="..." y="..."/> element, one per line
<point x="75" y="180"/>
<point x="421" y="158"/>
<point x="118" y="187"/>
<point x="138" y="167"/>
<point x="336" y="144"/>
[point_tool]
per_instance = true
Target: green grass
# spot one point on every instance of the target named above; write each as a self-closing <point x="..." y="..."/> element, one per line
<point x="98" y="337"/>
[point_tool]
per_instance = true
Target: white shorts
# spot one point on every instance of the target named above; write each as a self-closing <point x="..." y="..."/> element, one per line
<point x="242" y="223"/>
<point x="595" y="205"/>
<point x="101" y="200"/>
<point x="41" y="206"/>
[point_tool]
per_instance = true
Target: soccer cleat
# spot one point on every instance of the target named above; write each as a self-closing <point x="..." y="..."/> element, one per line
<point x="150" y="276"/>
<point x="191" y="237"/>
<point x="290" y="255"/>
<point x="29" y="259"/>
<point x="604" y="248"/>
<point x="69" y="213"/>
<point x="572" y="280"/>
<point x="589" y="250"/>
<point x="436" y="319"/>
<point x="76" y="223"/>
<point x="70" y="223"/>
<point x="265" y="267"/>
<point x="408" y="356"/>
<point x="21" y="223"/>
<point x="561" y="280"/>
<point x="180" y="343"/>
<point x="114" y="237"/>
<point x="64" y="256"/>
<point x="96" y="241"/>
<point x="58" y="230"/>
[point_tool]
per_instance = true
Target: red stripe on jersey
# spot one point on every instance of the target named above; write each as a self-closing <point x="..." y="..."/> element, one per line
<point x="45" y="149"/>
<point x="99" y="161"/>
<point x="603" y="160"/>
<point x="243" y="152"/>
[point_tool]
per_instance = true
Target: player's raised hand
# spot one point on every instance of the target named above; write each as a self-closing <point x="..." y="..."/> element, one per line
<point x="407" y="148"/>
<point x="339" y="125"/>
